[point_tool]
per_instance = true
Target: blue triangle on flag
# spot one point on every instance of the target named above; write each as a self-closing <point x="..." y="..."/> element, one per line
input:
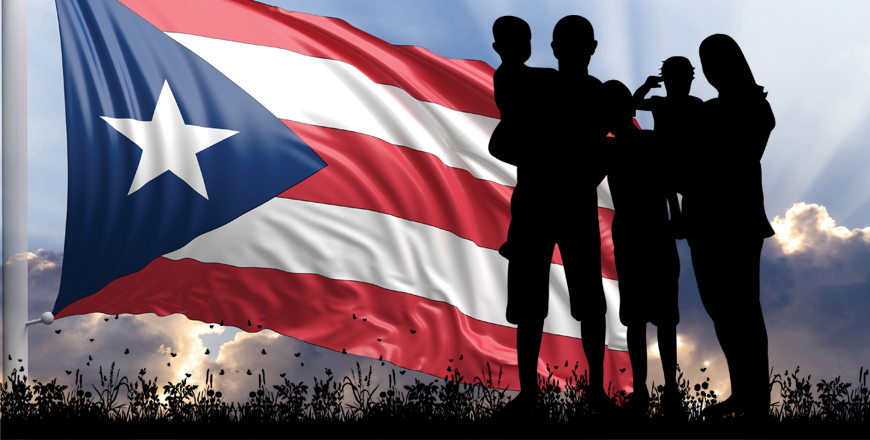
<point x="115" y="65"/>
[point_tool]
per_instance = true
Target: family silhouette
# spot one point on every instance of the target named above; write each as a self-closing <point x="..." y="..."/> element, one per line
<point x="554" y="128"/>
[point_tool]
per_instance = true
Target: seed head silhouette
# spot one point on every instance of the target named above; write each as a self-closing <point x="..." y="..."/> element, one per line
<point x="126" y="351"/>
<point x="264" y="351"/>
<point x="207" y="351"/>
<point x="174" y="354"/>
<point x="68" y="372"/>
<point x="297" y="354"/>
<point x="283" y="374"/>
<point x="57" y="331"/>
<point x="187" y="374"/>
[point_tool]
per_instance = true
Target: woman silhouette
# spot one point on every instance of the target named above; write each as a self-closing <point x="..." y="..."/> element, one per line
<point x="723" y="207"/>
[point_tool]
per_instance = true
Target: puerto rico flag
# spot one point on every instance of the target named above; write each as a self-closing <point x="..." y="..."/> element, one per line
<point x="232" y="161"/>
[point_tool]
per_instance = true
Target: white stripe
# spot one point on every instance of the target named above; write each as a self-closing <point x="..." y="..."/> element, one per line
<point x="335" y="94"/>
<point x="353" y="244"/>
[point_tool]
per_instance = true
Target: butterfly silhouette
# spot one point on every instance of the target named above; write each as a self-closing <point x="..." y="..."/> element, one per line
<point x="379" y="339"/>
<point x="413" y="331"/>
<point x="106" y="319"/>
<point x="402" y="372"/>
<point x="451" y="360"/>
<point x="57" y="331"/>
<point x="622" y="370"/>
<point x="297" y="354"/>
<point x="283" y="374"/>
<point x="68" y="372"/>
<point x="92" y="340"/>
<point x="365" y="319"/>
<point x="174" y="354"/>
<point x="703" y="369"/>
<point x="260" y="326"/>
<point x="211" y="326"/>
<point x="187" y="374"/>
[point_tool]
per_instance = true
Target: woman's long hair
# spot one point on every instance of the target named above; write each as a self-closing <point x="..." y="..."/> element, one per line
<point x="726" y="68"/>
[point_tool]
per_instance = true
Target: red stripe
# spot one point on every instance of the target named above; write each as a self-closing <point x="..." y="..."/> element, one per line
<point x="464" y="85"/>
<point x="319" y="310"/>
<point x="367" y="173"/>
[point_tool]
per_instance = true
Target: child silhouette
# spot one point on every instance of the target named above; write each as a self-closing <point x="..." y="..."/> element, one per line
<point x="645" y="251"/>
<point x="522" y="95"/>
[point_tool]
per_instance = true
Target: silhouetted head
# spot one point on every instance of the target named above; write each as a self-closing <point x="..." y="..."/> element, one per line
<point x="726" y="68"/>
<point x="678" y="74"/>
<point x="573" y="41"/>
<point x="513" y="39"/>
<point x="618" y="108"/>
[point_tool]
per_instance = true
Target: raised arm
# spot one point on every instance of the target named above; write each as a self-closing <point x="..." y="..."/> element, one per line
<point x="640" y="101"/>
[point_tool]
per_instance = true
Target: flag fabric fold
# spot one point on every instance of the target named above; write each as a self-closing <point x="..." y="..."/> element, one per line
<point x="293" y="171"/>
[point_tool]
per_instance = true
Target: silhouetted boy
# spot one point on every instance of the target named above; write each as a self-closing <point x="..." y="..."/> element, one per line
<point x="645" y="251"/>
<point x="676" y="116"/>
<point x="524" y="97"/>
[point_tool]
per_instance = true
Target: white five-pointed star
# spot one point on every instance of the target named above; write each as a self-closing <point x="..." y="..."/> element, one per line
<point x="168" y="144"/>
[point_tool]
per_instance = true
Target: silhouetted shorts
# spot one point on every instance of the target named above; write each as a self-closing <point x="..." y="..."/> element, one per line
<point x="533" y="239"/>
<point x="648" y="283"/>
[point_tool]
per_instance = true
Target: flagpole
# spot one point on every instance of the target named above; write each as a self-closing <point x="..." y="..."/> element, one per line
<point x="14" y="187"/>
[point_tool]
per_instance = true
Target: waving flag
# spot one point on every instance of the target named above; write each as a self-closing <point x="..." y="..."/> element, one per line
<point x="234" y="161"/>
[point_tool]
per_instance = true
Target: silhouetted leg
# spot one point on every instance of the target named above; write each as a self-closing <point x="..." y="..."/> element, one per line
<point x="529" y="336"/>
<point x="667" y="340"/>
<point x="754" y="362"/>
<point x="636" y="339"/>
<point x="715" y="278"/>
<point x="593" y="331"/>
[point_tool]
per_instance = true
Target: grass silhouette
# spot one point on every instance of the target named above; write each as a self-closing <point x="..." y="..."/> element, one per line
<point x="451" y="401"/>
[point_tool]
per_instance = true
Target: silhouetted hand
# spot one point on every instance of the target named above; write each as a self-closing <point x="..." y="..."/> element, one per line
<point x="653" y="82"/>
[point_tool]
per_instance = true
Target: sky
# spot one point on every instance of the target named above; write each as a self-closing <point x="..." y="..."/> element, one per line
<point x="813" y="58"/>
